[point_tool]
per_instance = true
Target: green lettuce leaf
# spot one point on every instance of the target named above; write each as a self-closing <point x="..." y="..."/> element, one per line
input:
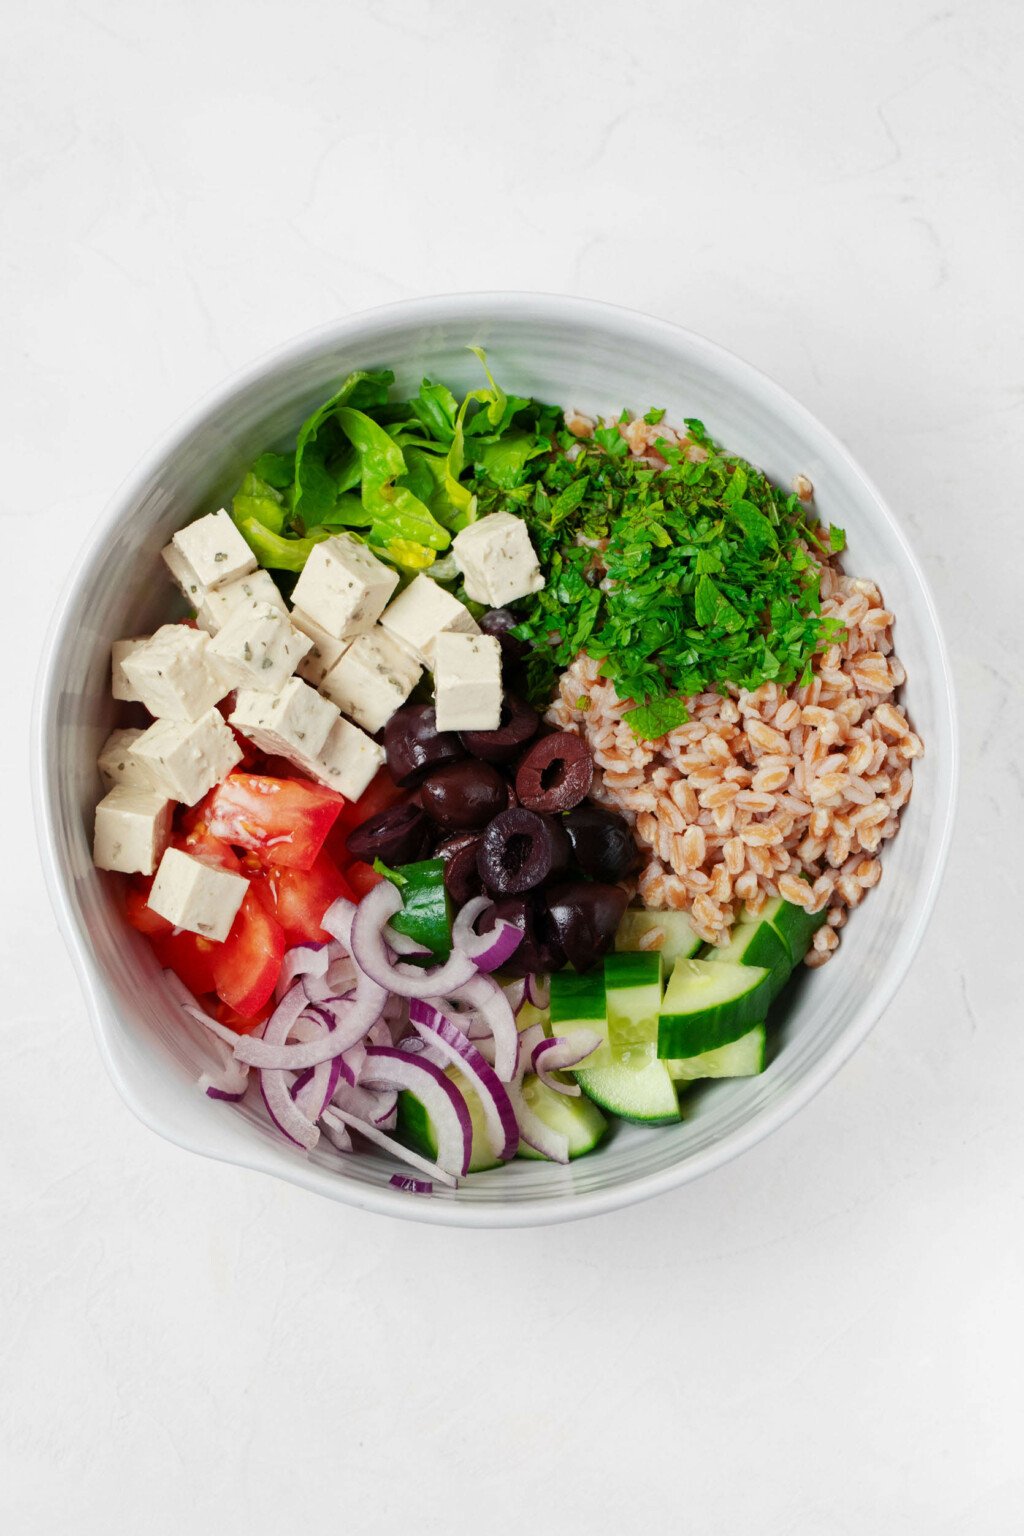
<point x="258" y="501"/>
<point x="277" y="552"/>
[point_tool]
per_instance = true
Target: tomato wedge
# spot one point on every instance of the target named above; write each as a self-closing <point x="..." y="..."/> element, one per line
<point x="246" y="966"/>
<point x="362" y="878"/>
<point x="381" y="792"/>
<point x="298" y="898"/>
<point x="285" y="821"/>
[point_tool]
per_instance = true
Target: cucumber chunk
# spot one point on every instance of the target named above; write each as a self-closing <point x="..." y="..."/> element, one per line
<point x="795" y="927"/>
<point x="416" y="1128"/>
<point x="636" y="1087"/>
<point x="756" y="943"/>
<point x="633" y="986"/>
<point x="578" y="1120"/>
<point x="579" y="1003"/>
<point x="742" y="1058"/>
<point x="710" y="1003"/>
<point x="677" y="936"/>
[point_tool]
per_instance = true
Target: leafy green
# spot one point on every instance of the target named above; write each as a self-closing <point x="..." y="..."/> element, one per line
<point x="277" y="469"/>
<point x="277" y="552"/>
<point x="652" y="721"/>
<point x="258" y="501"/>
<point x="653" y="416"/>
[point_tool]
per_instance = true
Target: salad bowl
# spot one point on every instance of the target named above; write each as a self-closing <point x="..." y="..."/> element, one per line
<point x="575" y="353"/>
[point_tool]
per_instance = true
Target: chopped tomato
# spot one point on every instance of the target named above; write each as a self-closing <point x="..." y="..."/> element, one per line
<point x="298" y="898"/>
<point x="189" y="956"/>
<point x="285" y="821"/>
<point x="381" y="792"/>
<point x="199" y="841"/>
<point x="140" y="914"/>
<point x="362" y="878"/>
<point x="225" y="1015"/>
<point x="247" y="964"/>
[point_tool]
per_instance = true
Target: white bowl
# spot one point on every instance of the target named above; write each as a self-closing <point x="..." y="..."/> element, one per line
<point x="578" y="353"/>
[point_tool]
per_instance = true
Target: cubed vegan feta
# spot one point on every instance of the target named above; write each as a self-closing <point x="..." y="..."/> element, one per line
<point x="372" y="679"/>
<point x="344" y="587"/>
<point x="118" y="764"/>
<point x="214" y="550"/>
<point x="170" y="675"/>
<point x="245" y="591"/>
<point x="497" y="560"/>
<point x="120" y="687"/>
<point x="423" y="611"/>
<point x="326" y="651"/>
<point x="347" y="761"/>
<point x="185" y="758"/>
<point x="197" y="896"/>
<point x="257" y="648"/>
<point x="185" y="578"/>
<point x="467" y="683"/>
<point x="293" y="723"/>
<point x="133" y="827"/>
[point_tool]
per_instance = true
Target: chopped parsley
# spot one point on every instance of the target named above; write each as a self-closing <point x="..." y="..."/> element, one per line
<point x="680" y="581"/>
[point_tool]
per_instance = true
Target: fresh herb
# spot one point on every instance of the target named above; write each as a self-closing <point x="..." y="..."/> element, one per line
<point x="394" y="875"/>
<point x="679" y="581"/>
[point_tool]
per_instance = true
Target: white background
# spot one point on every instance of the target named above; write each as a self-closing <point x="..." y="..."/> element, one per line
<point x="822" y="1338"/>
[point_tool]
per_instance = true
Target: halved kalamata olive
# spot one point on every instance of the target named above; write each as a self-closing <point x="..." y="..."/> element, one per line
<point x="518" y="726"/>
<point x="461" y="876"/>
<point x="555" y="773"/>
<point x="520" y="850"/>
<point x="602" y="843"/>
<point x="400" y="835"/>
<point x="463" y="795"/>
<point x="584" y="916"/>
<point x="498" y="622"/>
<point x="415" y="746"/>
<point x="538" y="951"/>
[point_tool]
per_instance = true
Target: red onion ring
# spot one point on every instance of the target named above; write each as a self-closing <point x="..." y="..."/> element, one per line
<point x="444" y="1035"/>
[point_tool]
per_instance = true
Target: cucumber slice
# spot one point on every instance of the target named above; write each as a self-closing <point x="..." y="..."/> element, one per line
<point x="795" y="927"/>
<point x="756" y="943"/>
<point x="742" y="1058"/>
<point x="578" y="1003"/>
<point x="679" y="939"/>
<point x="580" y="1121"/>
<point x="633" y="986"/>
<point x="708" y="1004"/>
<point x="636" y="1087"/>
<point x="416" y="1128"/>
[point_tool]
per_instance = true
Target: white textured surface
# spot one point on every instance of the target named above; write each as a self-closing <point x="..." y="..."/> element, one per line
<point x="824" y="1337"/>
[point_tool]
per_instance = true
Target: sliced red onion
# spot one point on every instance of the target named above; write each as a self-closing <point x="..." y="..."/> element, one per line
<point x="499" y="1116"/>
<point x="515" y="991"/>
<point x="308" y="960"/>
<point x="389" y="1068"/>
<point x="538" y="990"/>
<point x="341" y="978"/>
<point x="274" y="1086"/>
<point x="484" y="994"/>
<point x="221" y="1093"/>
<point x="337" y="921"/>
<point x="341" y="1027"/>
<point x="403" y="944"/>
<point x="534" y="1132"/>
<point x="183" y="997"/>
<point x="378" y="1105"/>
<point x="337" y="1133"/>
<point x="313" y="1089"/>
<point x="415" y="1186"/>
<point x="560" y="1055"/>
<point x="488" y="950"/>
<point x="370" y="951"/>
<point x="334" y="1115"/>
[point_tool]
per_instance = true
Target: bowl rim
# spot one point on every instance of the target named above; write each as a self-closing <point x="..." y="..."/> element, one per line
<point x="437" y="308"/>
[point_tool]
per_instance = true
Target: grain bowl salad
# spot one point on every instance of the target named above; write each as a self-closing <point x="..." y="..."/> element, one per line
<point x="500" y="769"/>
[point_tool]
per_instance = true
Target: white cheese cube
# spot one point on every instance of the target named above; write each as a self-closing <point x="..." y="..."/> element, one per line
<point x="245" y="591"/>
<point x="344" y="587"/>
<point x="197" y="896"/>
<point x="120" y="687"/>
<point x="372" y="679"/>
<point x="293" y="723"/>
<point x="185" y="758"/>
<point x="185" y="578"/>
<point x="497" y="560"/>
<point x="423" y="611"/>
<point x="257" y="648"/>
<point x="467" y="683"/>
<point x="347" y="761"/>
<point x="133" y="827"/>
<point x="214" y="550"/>
<point x="170" y="675"/>
<point x="325" y="652"/>
<point x="118" y="764"/>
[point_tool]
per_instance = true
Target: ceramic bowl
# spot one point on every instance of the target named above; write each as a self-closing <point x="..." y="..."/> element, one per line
<point x="596" y="358"/>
